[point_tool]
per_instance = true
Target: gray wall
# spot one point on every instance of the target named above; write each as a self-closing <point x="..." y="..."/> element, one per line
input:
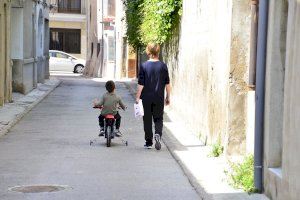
<point x="282" y="139"/>
<point x="28" y="45"/>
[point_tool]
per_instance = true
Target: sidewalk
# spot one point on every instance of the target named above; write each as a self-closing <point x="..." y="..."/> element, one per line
<point x="11" y="113"/>
<point x="206" y="174"/>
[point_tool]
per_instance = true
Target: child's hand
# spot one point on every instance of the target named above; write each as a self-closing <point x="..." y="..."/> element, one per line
<point x="95" y="102"/>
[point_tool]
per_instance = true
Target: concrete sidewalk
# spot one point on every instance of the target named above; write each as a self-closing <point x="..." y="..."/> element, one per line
<point x="11" y="113"/>
<point x="205" y="173"/>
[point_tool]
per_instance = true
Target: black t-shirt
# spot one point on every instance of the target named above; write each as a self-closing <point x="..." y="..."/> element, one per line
<point x="154" y="76"/>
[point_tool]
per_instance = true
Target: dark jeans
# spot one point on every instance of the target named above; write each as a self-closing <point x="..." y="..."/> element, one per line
<point x="117" y="118"/>
<point x="155" y="111"/>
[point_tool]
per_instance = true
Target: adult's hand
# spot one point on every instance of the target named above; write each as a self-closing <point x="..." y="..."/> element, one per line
<point x="137" y="100"/>
<point x="167" y="101"/>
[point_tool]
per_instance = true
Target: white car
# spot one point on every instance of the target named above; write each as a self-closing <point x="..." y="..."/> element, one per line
<point x="61" y="61"/>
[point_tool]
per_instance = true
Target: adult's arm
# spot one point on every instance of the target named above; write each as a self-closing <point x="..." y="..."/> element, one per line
<point x="138" y="93"/>
<point x="141" y="83"/>
<point x="168" y="89"/>
<point x="168" y="86"/>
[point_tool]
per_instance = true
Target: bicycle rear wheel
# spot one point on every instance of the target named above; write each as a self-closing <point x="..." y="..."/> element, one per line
<point x="108" y="136"/>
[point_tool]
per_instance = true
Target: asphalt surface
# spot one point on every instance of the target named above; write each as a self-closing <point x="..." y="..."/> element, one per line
<point x="50" y="146"/>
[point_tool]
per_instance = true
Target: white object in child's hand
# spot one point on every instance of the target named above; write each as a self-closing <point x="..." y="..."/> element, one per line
<point x="138" y="109"/>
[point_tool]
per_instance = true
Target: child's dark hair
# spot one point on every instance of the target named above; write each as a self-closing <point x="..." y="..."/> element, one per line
<point x="110" y="86"/>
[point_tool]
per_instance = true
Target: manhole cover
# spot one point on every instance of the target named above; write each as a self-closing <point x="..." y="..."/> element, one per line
<point x="37" y="188"/>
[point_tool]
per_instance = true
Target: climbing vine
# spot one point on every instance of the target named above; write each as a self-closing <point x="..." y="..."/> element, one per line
<point x="151" y="20"/>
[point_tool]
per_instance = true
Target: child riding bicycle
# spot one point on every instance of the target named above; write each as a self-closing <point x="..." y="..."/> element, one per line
<point x="110" y="103"/>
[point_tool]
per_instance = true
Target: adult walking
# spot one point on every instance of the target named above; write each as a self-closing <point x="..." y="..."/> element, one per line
<point x="152" y="81"/>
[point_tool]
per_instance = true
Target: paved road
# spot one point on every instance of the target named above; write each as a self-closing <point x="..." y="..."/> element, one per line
<point x="50" y="146"/>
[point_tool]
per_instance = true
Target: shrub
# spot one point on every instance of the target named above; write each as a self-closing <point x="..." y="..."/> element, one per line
<point x="217" y="149"/>
<point x="241" y="175"/>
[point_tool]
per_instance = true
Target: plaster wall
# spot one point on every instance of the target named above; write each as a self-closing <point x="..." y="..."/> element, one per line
<point x="5" y="62"/>
<point x="94" y="30"/>
<point x="208" y="58"/>
<point x="274" y="97"/>
<point x="291" y="138"/>
<point x="28" y="44"/>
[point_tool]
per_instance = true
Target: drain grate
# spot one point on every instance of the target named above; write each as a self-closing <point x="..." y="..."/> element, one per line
<point x="38" y="188"/>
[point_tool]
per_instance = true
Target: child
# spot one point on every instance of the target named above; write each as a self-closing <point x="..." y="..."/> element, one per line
<point x="110" y="102"/>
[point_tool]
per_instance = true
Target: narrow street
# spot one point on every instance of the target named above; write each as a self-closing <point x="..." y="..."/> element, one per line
<point x="50" y="146"/>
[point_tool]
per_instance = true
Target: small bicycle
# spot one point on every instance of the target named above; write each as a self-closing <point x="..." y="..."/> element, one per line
<point x="109" y="133"/>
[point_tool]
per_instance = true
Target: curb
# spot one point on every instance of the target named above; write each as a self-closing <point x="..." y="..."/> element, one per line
<point x="170" y="146"/>
<point x="191" y="178"/>
<point x="18" y="117"/>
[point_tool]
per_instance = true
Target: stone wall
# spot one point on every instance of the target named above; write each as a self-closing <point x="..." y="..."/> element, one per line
<point x="208" y="59"/>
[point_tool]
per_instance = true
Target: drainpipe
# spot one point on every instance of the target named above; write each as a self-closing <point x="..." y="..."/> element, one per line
<point x="260" y="93"/>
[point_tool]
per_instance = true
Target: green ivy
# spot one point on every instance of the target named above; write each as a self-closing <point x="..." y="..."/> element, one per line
<point x="151" y="20"/>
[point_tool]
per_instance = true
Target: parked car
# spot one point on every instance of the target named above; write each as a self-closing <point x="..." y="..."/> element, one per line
<point x="61" y="61"/>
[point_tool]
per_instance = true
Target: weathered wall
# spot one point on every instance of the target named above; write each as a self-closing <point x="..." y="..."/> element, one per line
<point x="29" y="49"/>
<point x="238" y="90"/>
<point x="94" y="44"/>
<point x="5" y="64"/>
<point x="284" y="182"/>
<point x="274" y="97"/>
<point x="208" y="60"/>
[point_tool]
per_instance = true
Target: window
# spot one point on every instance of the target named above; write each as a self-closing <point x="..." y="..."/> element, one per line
<point x="61" y="55"/>
<point x="111" y="49"/>
<point x="111" y="10"/>
<point x="67" y="40"/>
<point x="69" y="6"/>
<point x="98" y="49"/>
<point x="92" y="49"/>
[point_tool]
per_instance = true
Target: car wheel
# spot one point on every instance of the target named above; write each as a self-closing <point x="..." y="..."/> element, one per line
<point x="79" y="69"/>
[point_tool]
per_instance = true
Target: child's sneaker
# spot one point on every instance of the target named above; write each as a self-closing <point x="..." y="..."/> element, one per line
<point x="101" y="132"/>
<point x="157" y="142"/>
<point x="118" y="133"/>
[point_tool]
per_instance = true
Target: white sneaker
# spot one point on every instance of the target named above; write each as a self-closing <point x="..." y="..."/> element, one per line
<point x="118" y="133"/>
<point x="157" y="142"/>
<point x="101" y="132"/>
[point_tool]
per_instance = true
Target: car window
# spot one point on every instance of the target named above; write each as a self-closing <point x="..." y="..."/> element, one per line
<point x="52" y="54"/>
<point x="61" y="55"/>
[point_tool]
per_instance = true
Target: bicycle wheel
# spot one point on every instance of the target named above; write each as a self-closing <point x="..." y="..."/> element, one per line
<point x="108" y="136"/>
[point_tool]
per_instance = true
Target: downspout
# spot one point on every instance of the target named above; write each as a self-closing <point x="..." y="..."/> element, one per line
<point x="260" y="93"/>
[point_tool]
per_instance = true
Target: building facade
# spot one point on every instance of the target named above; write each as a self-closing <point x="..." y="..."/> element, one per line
<point x="281" y="122"/>
<point x="108" y="53"/>
<point x="68" y="27"/>
<point x="29" y="44"/>
<point x="24" y="47"/>
<point x="5" y="62"/>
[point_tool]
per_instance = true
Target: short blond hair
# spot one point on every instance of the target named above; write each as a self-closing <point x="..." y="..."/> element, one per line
<point x="153" y="49"/>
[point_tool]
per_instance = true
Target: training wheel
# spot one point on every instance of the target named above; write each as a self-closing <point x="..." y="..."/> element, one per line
<point x="126" y="143"/>
<point x="91" y="142"/>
